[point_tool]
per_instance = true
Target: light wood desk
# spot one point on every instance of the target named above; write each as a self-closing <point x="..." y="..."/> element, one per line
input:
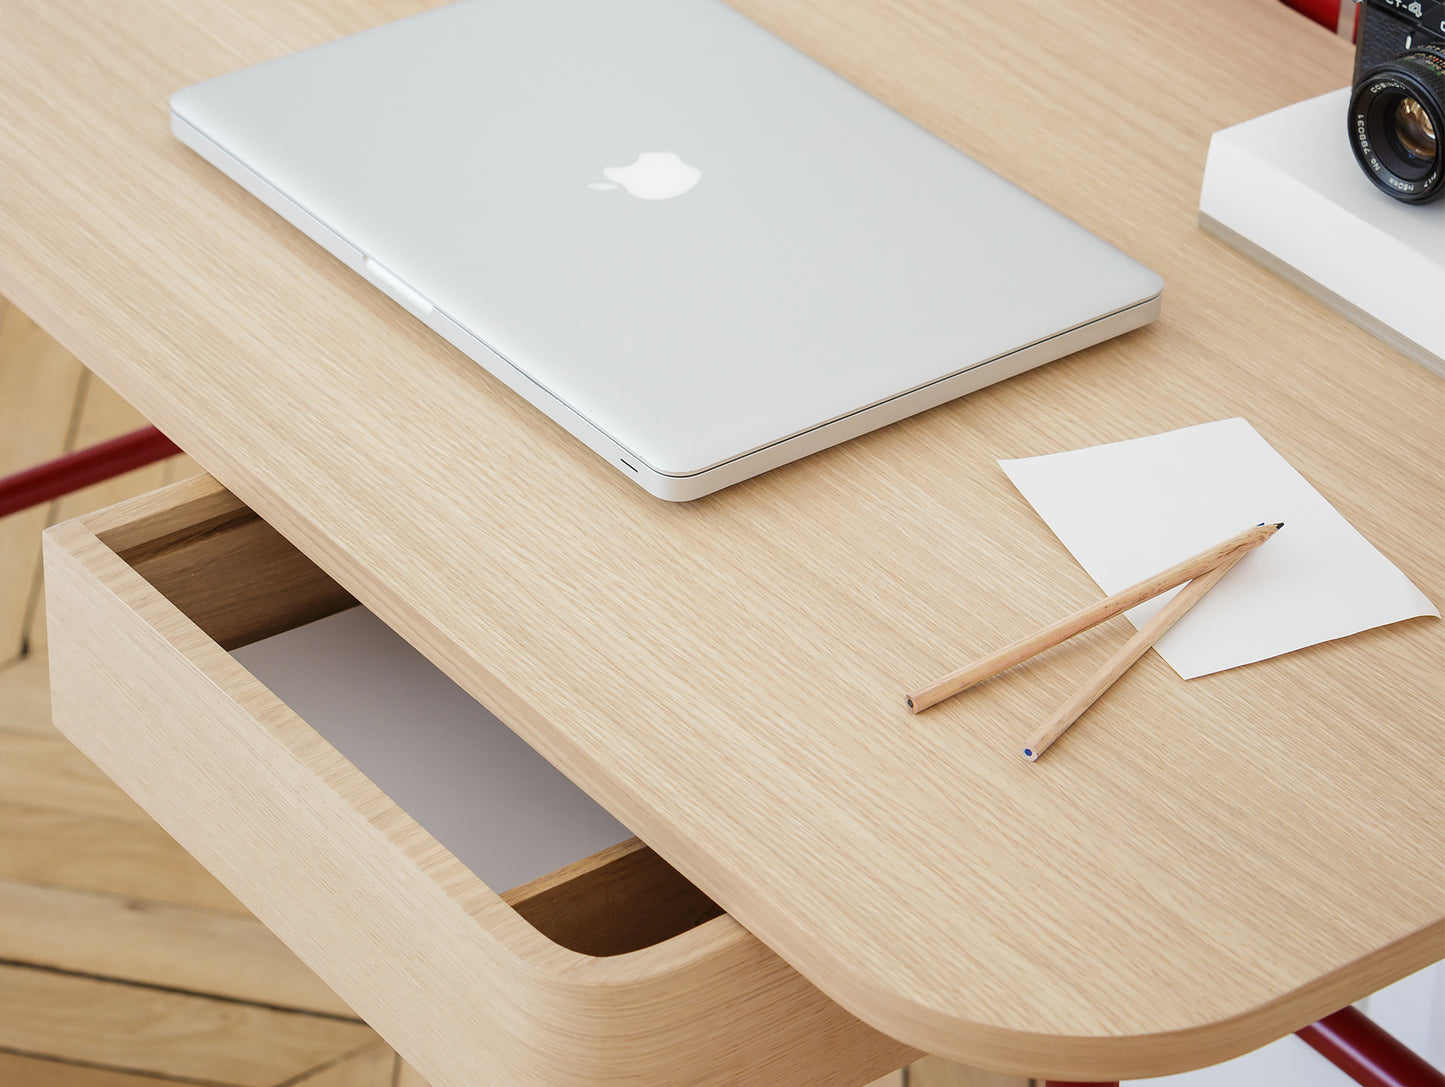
<point x="1199" y="868"/>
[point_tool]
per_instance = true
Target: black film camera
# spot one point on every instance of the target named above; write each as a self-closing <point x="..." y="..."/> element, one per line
<point x="1397" y="110"/>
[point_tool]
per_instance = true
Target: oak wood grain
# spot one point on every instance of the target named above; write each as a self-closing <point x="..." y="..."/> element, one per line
<point x="893" y="1079"/>
<point x="146" y="942"/>
<point x="452" y="974"/>
<point x="374" y="1066"/>
<point x="47" y="771"/>
<point x="55" y="847"/>
<point x="407" y="1076"/>
<point x="122" y="937"/>
<point x="1134" y="910"/>
<point x="936" y="1072"/>
<point x="190" y="1037"/>
<point x="622" y="899"/>
<point x="25" y="697"/>
<point x="101" y="414"/>
<point x="23" y="1071"/>
<point x="39" y="382"/>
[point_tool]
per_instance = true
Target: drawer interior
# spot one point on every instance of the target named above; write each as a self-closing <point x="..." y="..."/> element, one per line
<point x="561" y="861"/>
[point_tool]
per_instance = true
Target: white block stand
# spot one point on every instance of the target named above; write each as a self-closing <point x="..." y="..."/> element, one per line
<point x="1285" y="190"/>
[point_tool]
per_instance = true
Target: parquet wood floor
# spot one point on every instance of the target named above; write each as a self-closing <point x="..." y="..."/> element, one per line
<point x="123" y="963"/>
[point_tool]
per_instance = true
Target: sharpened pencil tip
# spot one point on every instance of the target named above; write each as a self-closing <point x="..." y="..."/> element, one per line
<point x="1279" y="524"/>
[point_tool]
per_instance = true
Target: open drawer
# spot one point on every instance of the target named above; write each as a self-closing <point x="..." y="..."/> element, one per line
<point x="612" y="969"/>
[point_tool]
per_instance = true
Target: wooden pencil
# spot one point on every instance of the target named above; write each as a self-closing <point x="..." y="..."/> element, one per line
<point x="1121" y="661"/>
<point x="1091" y="616"/>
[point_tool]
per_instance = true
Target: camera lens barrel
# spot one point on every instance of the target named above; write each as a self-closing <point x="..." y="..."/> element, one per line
<point x="1397" y="124"/>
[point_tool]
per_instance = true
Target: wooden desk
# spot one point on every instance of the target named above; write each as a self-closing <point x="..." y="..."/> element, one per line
<point x="726" y="676"/>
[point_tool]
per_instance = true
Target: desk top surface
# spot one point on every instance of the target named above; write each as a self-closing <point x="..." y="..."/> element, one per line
<point x="727" y="675"/>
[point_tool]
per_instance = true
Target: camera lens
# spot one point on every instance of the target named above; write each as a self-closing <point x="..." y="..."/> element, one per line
<point x="1396" y="116"/>
<point x="1411" y="132"/>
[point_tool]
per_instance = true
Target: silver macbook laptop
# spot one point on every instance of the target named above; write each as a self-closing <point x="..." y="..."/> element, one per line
<point x="702" y="253"/>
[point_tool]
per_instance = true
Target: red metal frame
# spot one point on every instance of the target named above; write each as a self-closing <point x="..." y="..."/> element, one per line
<point x="1367" y="1054"/>
<point x="1348" y="1039"/>
<point x="82" y="468"/>
<point x="1352" y="1042"/>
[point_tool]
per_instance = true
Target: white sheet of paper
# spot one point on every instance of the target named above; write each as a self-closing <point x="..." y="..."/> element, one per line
<point x="1130" y="509"/>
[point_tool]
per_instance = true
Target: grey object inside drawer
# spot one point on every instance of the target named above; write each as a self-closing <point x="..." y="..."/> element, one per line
<point x="484" y="794"/>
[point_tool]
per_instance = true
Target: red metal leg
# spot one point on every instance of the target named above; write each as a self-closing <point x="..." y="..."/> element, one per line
<point x="1356" y="1046"/>
<point x="82" y="468"/>
<point x="1367" y="1054"/>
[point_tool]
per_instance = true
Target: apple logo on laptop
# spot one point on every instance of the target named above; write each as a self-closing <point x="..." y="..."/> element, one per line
<point x="656" y="175"/>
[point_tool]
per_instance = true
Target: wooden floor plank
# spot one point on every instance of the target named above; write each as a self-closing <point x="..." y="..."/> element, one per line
<point x="21" y="1071"/>
<point x="25" y="697"/>
<point x="48" y="771"/>
<point x="89" y="886"/>
<point x="374" y="1066"/>
<point x="113" y="856"/>
<point x="407" y="1076"/>
<point x="102" y="415"/>
<point x="132" y="939"/>
<point x="937" y="1072"/>
<point x="39" y="385"/>
<point x="62" y="823"/>
<point x="172" y="1034"/>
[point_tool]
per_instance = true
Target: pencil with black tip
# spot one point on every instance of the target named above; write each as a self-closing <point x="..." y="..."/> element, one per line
<point x="1091" y="616"/>
<point x="1122" y="660"/>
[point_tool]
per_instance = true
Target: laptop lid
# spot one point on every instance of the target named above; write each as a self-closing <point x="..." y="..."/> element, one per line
<point x="695" y="240"/>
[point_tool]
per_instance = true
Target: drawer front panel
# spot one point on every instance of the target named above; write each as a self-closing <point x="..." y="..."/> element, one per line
<point x="446" y="969"/>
